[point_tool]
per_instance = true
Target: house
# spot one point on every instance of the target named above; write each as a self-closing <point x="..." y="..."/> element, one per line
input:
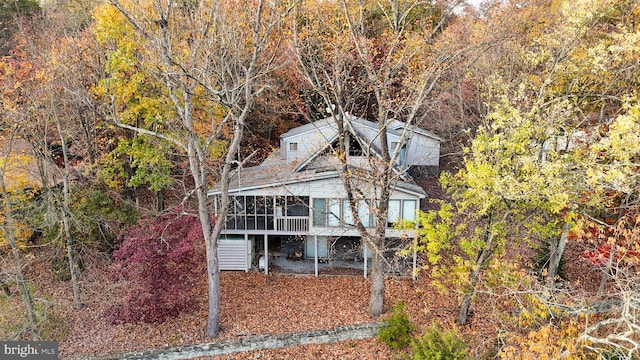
<point x="294" y="205"/>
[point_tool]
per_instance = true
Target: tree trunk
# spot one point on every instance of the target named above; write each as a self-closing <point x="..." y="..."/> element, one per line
<point x="557" y="249"/>
<point x="376" y="302"/>
<point x="607" y="271"/>
<point x="483" y="257"/>
<point x="66" y="214"/>
<point x="463" y="313"/>
<point x="160" y="201"/>
<point x="213" y="279"/>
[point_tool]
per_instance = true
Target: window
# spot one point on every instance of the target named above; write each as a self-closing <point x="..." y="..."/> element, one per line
<point x="394" y="211"/>
<point x="401" y="209"/>
<point x="333" y="217"/>
<point x="293" y="146"/>
<point x="402" y="153"/>
<point x="364" y="213"/>
<point x="319" y="212"/>
<point x="323" y="249"/>
<point x="336" y="212"/>
<point x="347" y="216"/>
<point x="409" y="210"/>
<point x="327" y="212"/>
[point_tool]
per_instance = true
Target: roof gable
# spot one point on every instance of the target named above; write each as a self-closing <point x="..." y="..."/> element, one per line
<point x="365" y="132"/>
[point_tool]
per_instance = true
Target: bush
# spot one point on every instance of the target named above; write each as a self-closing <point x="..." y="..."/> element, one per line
<point x="438" y="345"/>
<point x="396" y="329"/>
<point x="160" y="259"/>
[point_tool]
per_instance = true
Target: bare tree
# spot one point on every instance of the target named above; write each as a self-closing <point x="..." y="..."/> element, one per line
<point x="375" y="60"/>
<point x="219" y="52"/>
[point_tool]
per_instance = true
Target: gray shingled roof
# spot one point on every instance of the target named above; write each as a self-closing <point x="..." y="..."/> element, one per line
<point x="275" y="174"/>
<point x="275" y="171"/>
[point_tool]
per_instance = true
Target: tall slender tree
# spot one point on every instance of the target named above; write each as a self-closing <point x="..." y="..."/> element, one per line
<point x="378" y="60"/>
<point x="212" y="59"/>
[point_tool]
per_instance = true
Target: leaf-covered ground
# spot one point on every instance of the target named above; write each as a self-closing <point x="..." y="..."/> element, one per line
<point x="254" y="303"/>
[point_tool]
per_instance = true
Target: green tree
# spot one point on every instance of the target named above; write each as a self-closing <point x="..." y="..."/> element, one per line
<point x="544" y="159"/>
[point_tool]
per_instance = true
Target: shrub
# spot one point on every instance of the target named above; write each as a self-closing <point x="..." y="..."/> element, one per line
<point x="396" y="329"/>
<point x="161" y="260"/>
<point x="436" y="344"/>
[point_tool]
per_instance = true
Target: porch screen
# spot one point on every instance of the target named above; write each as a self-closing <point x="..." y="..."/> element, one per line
<point x="250" y="212"/>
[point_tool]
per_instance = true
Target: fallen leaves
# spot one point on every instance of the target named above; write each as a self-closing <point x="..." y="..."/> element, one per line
<point x="252" y="303"/>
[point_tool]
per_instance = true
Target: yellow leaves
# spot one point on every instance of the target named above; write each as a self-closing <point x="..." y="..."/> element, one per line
<point x="109" y="24"/>
<point x="614" y="154"/>
<point x="19" y="167"/>
<point x="553" y="340"/>
<point x="22" y="180"/>
<point x="21" y="232"/>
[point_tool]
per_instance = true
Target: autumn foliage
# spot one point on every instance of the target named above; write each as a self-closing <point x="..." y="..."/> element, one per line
<point x="159" y="258"/>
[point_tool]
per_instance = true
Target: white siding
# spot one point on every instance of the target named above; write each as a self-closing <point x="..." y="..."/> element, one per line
<point x="232" y="254"/>
<point x="308" y="143"/>
<point x="423" y="151"/>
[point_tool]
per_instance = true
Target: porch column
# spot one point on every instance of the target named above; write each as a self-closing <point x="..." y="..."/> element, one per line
<point x="315" y="253"/>
<point x="366" y="257"/>
<point x="414" y="274"/>
<point x="247" y="252"/>
<point x="266" y="254"/>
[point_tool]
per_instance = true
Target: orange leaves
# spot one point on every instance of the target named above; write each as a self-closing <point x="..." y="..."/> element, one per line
<point x="551" y="341"/>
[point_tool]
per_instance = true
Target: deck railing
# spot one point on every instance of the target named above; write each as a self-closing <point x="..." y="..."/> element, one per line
<point x="293" y="224"/>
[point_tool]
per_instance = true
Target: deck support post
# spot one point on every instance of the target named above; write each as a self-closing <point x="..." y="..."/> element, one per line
<point x="266" y="254"/>
<point x="247" y="253"/>
<point x="366" y="257"/>
<point x="315" y="252"/>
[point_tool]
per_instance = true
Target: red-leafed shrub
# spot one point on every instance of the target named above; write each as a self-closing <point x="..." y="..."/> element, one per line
<point x="618" y="242"/>
<point x="160" y="258"/>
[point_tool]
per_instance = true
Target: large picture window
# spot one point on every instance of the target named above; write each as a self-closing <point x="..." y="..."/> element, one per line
<point x="333" y="216"/>
<point x="319" y="212"/>
<point x="364" y="213"/>
<point x="409" y="210"/>
<point x="336" y="212"/>
<point x="401" y="210"/>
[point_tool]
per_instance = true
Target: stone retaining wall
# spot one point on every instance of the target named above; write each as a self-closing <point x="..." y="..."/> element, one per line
<point x="255" y="342"/>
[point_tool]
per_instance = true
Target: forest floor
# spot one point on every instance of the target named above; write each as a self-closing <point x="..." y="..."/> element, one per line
<point x="254" y="303"/>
